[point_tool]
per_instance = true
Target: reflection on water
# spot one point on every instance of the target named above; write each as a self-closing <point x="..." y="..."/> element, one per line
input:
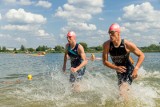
<point x="51" y="88"/>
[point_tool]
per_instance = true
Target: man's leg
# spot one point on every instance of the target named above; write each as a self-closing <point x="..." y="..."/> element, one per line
<point x="124" y="90"/>
<point x="124" y="85"/>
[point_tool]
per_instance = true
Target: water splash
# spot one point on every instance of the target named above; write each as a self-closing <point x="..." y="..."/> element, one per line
<point x="98" y="88"/>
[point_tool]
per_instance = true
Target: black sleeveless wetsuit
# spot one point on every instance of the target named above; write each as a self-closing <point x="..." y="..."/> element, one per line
<point x="76" y="60"/>
<point x="120" y="57"/>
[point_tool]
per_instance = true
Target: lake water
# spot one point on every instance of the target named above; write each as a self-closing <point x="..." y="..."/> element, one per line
<point x="51" y="88"/>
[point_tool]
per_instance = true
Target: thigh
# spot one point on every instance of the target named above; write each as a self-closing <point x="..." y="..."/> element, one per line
<point x="78" y="75"/>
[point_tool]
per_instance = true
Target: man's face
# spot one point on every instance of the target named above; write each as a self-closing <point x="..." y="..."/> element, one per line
<point x="70" y="38"/>
<point x="113" y="35"/>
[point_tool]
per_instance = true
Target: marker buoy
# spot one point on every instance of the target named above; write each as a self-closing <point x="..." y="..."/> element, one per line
<point x="29" y="77"/>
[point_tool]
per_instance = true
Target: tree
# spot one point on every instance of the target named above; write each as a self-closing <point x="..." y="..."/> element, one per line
<point x="59" y="48"/>
<point x="42" y="48"/>
<point x="4" y="49"/>
<point x="38" y="49"/>
<point x="151" y="48"/>
<point x="99" y="48"/>
<point x="84" y="46"/>
<point x="22" y="48"/>
<point x="14" y="49"/>
<point x="30" y="49"/>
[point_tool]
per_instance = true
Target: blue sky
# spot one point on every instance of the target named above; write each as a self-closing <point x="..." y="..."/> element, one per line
<point x="46" y="22"/>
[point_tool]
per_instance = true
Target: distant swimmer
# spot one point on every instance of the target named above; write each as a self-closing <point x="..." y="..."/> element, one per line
<point x="41" y="53"/>
<point x="119" y="50"/>
<point x="93" y="58"/>
<point x="77" y="57"/>
<point x="38" y="54"/>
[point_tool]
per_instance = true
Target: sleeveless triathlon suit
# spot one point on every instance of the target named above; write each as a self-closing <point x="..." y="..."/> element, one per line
<point x="75" y="61"/>
<point x="120" y="57"/>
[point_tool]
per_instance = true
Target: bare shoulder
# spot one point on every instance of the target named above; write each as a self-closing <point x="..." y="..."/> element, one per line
<point x="80" y="48"/>
<point x="129" y="45"/>
<point x="106" y="44"/>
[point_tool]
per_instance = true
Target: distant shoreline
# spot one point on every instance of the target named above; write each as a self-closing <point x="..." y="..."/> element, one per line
<point x="61" y="49"/>
<point x="63" y="52"/>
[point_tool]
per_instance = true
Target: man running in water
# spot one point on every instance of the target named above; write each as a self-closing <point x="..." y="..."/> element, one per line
<point x="119" y="50"/>
<point x="77" y="56"/>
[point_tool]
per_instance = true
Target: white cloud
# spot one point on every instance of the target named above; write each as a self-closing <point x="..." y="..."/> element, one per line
<point x="30" y="29"/>
<point x="44" y="4"/>
<point x="143" y="12"/>
<point x="82" y="26"/>
<point x="91" y="3"/>
<point x="22" y="16"/>
<point x="119" y="19"/>
<point x="69" y="7"/>
<point x="77" y="13"/>
<point x="137" y="26"/>
<point x="8" y="40"/>
<point x="141" y="21"/>
<point x="5" y="36"/>
<point x="102" y="33"/>
<point x="101" y="19"/>
<point x="71" y="13"/>
<point x="21" y="40"/>
<point x="80" y="10"/>
<point x="18" y="27"/>
<point x="19" y="2"/>
<point x="79" y="27"/>
<point x="42" y="33"/>
<point x="143" y="17"/>
<point x="88" y="5"/>
<point x="25" y="2"/>
<point x="9" y="1"/>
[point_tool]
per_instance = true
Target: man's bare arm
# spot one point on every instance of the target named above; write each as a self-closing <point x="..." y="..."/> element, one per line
<point x="83" y="56"/>
<point x="65" y="58"/>
<point x="134" y="49"/>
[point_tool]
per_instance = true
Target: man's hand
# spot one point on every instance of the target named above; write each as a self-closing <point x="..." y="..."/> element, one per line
<point x="134" y="74"/>
<point x="73" y="69"/>
<point x="121" y="69"/>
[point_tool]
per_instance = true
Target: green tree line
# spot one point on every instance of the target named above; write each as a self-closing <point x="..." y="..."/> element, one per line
<point x="151" y="48"/>
<point x="61" y="49"/>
